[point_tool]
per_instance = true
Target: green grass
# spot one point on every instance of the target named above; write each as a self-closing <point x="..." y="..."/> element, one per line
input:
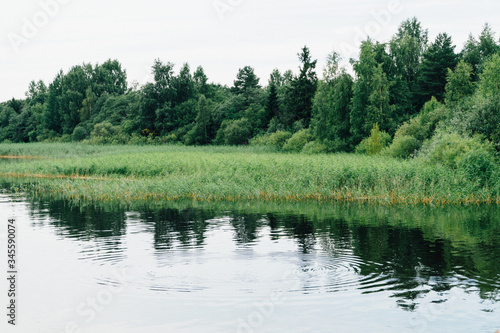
<point x="142" y="173"/>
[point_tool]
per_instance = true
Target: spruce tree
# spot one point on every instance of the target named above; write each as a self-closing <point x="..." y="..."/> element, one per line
<point x="433" y="70"/>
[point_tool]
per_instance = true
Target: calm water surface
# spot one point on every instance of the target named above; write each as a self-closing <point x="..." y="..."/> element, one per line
<point x="328" y="269"/>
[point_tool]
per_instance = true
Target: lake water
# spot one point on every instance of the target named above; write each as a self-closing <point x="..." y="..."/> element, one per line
<point x="329" y="268"/>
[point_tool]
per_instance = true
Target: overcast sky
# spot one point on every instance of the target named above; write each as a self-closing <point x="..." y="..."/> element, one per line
<point x="40" y="37"/>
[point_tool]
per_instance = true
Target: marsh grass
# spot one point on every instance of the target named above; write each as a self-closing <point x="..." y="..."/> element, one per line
<point x="166" y="173"/>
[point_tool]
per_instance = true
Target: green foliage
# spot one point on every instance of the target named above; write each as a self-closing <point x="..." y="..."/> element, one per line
<point x="105" y="133"/>
<point x="236" y="174"/>
<point x="298" y="140"/>
<point x="277" y="139"/>
<point x="79" y="134"/>
<point x="392" y="80"/>
<point x="459" y="83"/>
<point x="437" y="59"/>
<point x="403" y="146"/>
<point x="374" y="144"/>
<point x="379" y="110"/>
<point x="245" y="80"/>
<point x="449" y="148"/>
<point x="273" y="104"/>
<point x="361" y="91"/>
<point x="332" y="107"/>
<point x="300" y="94"/>
<point x="234" y="132"/>
<point x="489" y="84"/>
<point x="200" y="134"/>
<point x="314" y="147"/>
<point x="478" y="165"/>
<point x="407" y="47"/>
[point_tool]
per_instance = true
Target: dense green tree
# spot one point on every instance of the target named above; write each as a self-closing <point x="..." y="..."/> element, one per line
<point x="52" y="116"/>
<point x="87" y="105"/>
<point x="459" y="83"/>
<point x="342" y="97"/>
<point x="488" y="46"/>
<point x="235" y="132"/>
<point x="331" y="69"/>
<point x="245" y="80"/>
<point x="200" y="81"/>
<point x="437" y="59"/>
<point x="200" y="134"/>
<point x="407" y="48"/>
<point x="300" y="94"/>
<point x="74" y="88"/>
<point x="37" y="93"/>
<point x="276" y="79"/>
<point x="184" y="85"/>
<point x="363" y="68"/>
<point x="392" y="81"/>
<point x="472" y="55"/>
<point x="273" y="103"/>
<point x="379" y="110"/>
<point x="477" y="51"/>
<point x="331" y="106"/>
<point x="109" y="78"/>
<point x="489" y="84"/>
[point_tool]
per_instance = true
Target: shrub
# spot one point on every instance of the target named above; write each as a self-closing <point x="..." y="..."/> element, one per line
<point x="403" y="146"/>
<point x="297" y="141"/>
<point x="136" y="139"/>
<point x="105" y="132"/>
<point x="276" y="139"/>
<point x="449" y="148"/>
<point x="477" y="164"/>
<point x="79" y="133"/>
<point x="314" y="147"/>
<point x="374" y="143"/>
<point x="237" y="132"/>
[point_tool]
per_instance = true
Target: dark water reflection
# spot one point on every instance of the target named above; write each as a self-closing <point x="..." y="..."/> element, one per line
<point x="406" y="253"/>
<point x="409" y="259"/>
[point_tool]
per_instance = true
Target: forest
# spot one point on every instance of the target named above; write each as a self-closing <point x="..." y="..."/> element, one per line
<point x="409" y="97"/>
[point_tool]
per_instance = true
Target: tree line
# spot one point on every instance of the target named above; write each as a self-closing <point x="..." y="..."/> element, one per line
<point x="403" y="93"/>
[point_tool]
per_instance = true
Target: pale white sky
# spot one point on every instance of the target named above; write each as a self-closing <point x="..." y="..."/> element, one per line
<point x="40" y="37"/>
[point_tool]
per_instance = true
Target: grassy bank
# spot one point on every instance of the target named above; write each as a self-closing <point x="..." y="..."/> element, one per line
<point x="136" y="173"/>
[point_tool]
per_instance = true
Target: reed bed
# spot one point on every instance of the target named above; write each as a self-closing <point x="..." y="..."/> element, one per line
<point x="169" y="173"/>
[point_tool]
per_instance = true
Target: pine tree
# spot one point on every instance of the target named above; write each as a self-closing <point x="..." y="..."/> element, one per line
<point x="272" y="106"/>
<point x="434" y="68"/>
<point x="300" y="94"/>
<point x="245" y="80"/>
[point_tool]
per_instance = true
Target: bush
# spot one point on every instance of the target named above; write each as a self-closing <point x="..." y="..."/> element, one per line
<point x="276" y="139"/>
<point x="449" y="148"/>
<point x="234" y="132"/>
<point x="314" y="147"/>
<point x="403" y="146"/>
<point x="477" y="165"/>
<point x="237" y="132"/>
<point x="297" y="142"/>
<point x="79" y="133"/>
<point x="374" y="143"/>
<point x="137" y="139"/>
<point x="105" y="132"/>
<point x="423" y="126"/>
